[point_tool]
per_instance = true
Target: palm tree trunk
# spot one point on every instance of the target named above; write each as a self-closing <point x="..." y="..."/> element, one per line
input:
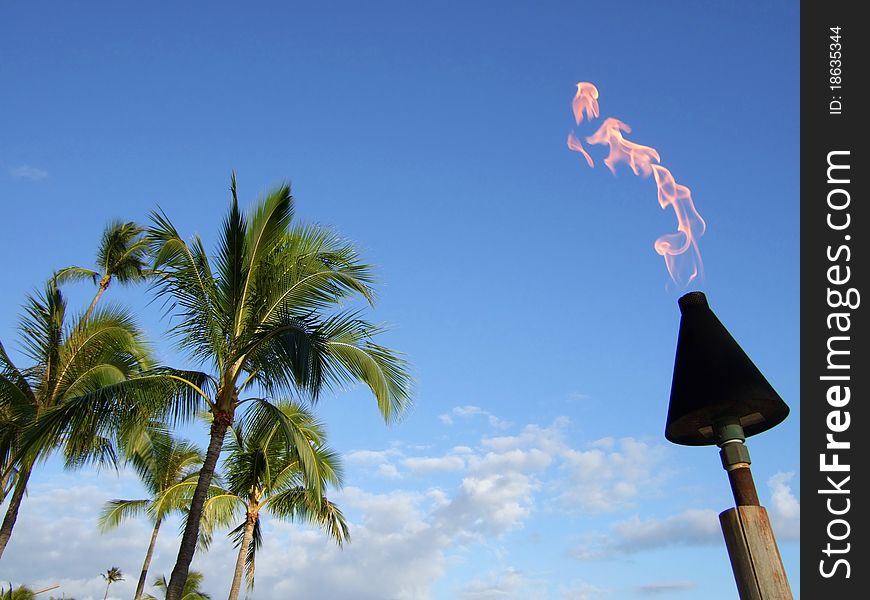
<point x="191" y="529"/>
<point x="14" y="504"/>
<point x="106" y="595"/>
<point x="243" y="555"/>
<point x="4" y="479"/>
<point x="104" y="285"/>
<point x="140" y="587"/>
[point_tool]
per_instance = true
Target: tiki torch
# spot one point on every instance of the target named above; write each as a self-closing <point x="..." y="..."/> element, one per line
<point x="718" y="396"/>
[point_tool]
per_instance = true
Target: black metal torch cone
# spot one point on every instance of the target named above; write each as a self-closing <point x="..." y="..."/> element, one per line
<point x="714" y="380"/>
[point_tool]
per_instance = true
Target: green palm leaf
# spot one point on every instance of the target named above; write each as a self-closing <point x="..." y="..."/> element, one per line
<point x="116" y="512"/>
<point x="75" y="369"/>
<point x="265" y="313"/>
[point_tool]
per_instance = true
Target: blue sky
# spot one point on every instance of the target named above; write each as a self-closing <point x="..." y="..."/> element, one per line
<point x="522" y="285"/>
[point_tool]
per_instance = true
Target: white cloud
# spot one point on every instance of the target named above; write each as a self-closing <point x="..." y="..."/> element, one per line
<point x="666" y="588"/>
<point x="487" y="506"/>
<point x="692" y="527"/>
<point x="88" y="589"/>
<point x="28" y="172"/>
<point x="531" y="460"/>
<point x="582" y="591"/>
<point x="388" y="471"/>
<point x="369" y="458"/>
<point x="406" y="537"/>
<point x="547" y="439"/>
<point x="498" y="492"/>
<point x="785" y="510"/>
<point x="611" y="474"/>
<point x="403" y="537"/>
<point x="509" y="583"/>
<point x="393" y="540"/>
<point x="428" y="465"/>
<point x="380" y="461"/>
<point x="55" y="541"/>
<point x="394" y="553"/>
<point x="468" y="411"/>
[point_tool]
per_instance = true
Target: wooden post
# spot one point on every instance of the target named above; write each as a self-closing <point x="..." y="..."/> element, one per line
<point x="754" y="555"/>
<point x="752" y="549"/>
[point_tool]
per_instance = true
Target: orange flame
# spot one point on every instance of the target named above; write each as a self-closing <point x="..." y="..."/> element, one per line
<point x="690" y="227"/>
<point x="680" y="249"/>
<point x="638" y="157"/>
<point x="577" y="146"/>
<point x="585" y="100"/>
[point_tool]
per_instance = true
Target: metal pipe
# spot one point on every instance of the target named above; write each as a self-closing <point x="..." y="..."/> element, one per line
<point x="742" y="486"/>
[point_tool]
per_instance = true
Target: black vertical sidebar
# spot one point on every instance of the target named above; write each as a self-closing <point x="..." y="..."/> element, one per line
<point x="835" y="369"/>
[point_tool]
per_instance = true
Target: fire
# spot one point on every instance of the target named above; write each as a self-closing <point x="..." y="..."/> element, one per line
<point x="680" y="249"/>
<point x="639" y="158"/>
<point x="690" y="227"/>
<point x="585" y="100"/>
<point x="577" y="146"/>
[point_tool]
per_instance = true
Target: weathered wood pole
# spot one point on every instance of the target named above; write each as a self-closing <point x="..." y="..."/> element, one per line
<point x="755" y="559"/>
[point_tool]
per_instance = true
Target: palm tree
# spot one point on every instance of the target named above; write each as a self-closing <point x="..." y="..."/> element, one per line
<point x="191" y="589"/>
<point x="19" y="593"/>
<point x="67" y="362"/>
<point x="264" y="474"/>
<point x="265" y="313"/>
<point x="111" y="576"/>
<point x="163" y="464"/>
<point x="122" y="255"/>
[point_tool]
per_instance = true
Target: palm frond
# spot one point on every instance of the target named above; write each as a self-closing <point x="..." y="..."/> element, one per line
<point x="295" y="428"/>
<point x="104" y="349"/>
<point x="313" y="270"/>
<point x="229" y="262"/>
<point x="16" y="395"/>
<point x="75" y="274"/>
<point x="220" y="510"/>
<point x="268" y="225"/>
<point x="300" y="504"/>
<point x="352" y="356"/>
<point x="174" y="497"/>
<point x="100" y="450"/>
<point x="12" y="374"/>
<point x="184" y="281"/>
<point x="159" y="459"/>
<point x="116" y="512"/>
<point x="109" y="411"/>
<point x="284" y="356"/>
<point x="41" y="332"/>
<point x="123" y="251"/>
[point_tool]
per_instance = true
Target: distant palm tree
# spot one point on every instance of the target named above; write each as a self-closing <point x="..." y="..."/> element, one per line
<point x="19" y="593"/>
<point x="111" y="576"/>
<point x="264" y="475"/>
<point x="67" y="361"/>
<point x="265" y="312"/>
<point x="122" y="255"/>
<point x="163" y="465"/>
<point x="191" y="589"/>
